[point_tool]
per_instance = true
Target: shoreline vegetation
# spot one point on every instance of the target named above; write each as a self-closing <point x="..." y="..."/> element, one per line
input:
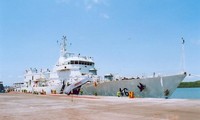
<point x="194" y="84"/>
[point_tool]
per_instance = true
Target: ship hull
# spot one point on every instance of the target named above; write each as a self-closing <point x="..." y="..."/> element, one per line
<point x="46" y="89"/>
<point x="154" y="87"/>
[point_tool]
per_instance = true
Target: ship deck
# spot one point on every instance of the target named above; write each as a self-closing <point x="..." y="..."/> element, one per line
<point x="20" y="106"/>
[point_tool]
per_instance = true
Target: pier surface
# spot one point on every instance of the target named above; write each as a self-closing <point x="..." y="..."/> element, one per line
<point x="18" y="106"/>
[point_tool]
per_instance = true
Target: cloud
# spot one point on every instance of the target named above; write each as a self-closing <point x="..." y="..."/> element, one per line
<point x="87" y="4"/>
<point x="90" y="4"/>
<point x="105" y="16"/>
<point x="63" y="1"/>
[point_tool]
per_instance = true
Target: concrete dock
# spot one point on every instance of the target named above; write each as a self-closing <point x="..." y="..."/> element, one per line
<point x="18" y="106"/>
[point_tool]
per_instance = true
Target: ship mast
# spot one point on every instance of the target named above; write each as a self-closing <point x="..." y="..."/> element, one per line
<point x="63" y="45"/>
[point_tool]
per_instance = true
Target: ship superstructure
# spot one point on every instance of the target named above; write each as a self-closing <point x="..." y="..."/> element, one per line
<point x="70" y="68"/>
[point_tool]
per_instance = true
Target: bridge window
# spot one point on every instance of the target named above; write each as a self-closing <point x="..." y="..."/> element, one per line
<point x="72" y="62"/>
<point x="81" y="63"/>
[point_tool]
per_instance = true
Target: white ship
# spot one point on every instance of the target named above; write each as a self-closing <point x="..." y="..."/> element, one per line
<point x="77" y="74"/>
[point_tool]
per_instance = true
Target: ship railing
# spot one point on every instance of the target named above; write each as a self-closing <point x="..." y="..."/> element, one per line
<point x="79" y="56"/>
<point x="154" y="74"/>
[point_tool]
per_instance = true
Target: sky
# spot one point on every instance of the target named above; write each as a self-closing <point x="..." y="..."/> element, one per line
<point x="125" y="37"/>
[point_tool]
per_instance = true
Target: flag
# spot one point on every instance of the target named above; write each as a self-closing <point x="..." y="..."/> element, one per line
<point x="183" y="41"/>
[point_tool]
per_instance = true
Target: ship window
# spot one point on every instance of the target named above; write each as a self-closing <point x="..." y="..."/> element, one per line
<point x="72" y="62"/>
<point x="81" y="62"/>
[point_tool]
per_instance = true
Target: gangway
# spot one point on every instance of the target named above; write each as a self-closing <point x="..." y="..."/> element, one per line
<point x="74" y="85"/>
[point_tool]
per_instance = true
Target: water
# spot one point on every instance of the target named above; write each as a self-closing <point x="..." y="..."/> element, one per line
<point x="186" y="93"/>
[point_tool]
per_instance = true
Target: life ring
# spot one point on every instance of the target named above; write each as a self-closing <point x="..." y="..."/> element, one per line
<point x="131" y="95"/>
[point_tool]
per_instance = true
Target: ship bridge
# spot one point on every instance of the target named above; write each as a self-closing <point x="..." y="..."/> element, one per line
<point x="83" y="63"/>
<point x="69" y="61"/>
